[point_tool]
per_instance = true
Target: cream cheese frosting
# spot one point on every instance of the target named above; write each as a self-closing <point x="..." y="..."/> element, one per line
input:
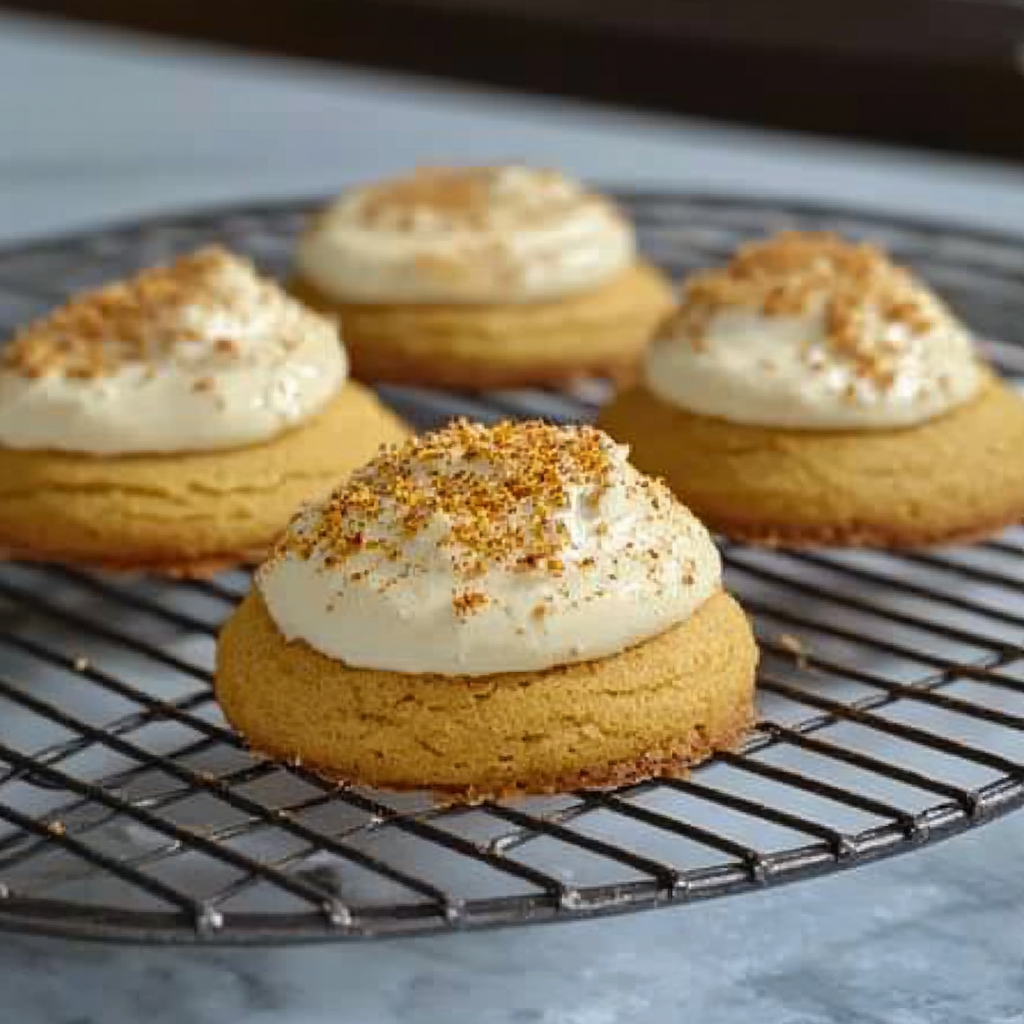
<point x="807" y="331"/>
<point x="200" y="355"/>
<point x="508" y="234"/>
<point x="480" y="550"/>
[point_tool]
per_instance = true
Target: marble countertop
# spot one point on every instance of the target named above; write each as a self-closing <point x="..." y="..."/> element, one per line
<point x="935" y="938"/>
<point x="96" y="128"/>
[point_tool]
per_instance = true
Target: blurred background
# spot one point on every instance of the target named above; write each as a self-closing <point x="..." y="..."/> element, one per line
<point x="113" y="109"/>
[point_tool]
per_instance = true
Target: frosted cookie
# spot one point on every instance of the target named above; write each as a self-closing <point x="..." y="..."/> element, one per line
<point x="813" y="393"/>
<point x="487" y="611"/>
<point x="482" y="277"/>
<point x="173" y="421"/>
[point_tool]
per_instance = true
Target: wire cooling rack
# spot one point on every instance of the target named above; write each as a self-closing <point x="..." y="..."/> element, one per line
<point x="891" y="691"/>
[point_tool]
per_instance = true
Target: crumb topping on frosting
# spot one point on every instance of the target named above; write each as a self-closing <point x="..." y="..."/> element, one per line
<point x="520" y="537"/>
<point x="790" y="274"/>
<point x="474" y="198"/>
<point x="487" y="496"/>
<point x="808" y="331"/>
<point x="466" y="234"/>
<point x="146" y="318"/>
<point x="201" y="354"/>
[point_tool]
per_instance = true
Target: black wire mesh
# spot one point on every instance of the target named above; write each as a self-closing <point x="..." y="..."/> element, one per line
<point x="892" y="693"/>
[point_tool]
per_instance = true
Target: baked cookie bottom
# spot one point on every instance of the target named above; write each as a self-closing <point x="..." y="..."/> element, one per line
<point x="599" y="333"/>
<point x="652" y="710"/>
<point x="183" y="514"/>
<point x="956" y="478"/>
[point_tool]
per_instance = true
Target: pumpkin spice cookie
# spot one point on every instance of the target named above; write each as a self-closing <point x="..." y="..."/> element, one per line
<point x="174" y="421"/>
<point x="813" y="393"/>
<point x="490" y="611"/>
<point x="482" y="277"/>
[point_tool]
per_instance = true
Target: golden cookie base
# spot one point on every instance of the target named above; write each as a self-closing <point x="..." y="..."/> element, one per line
<point x="599" y="333"/>
<point x="188" y="514"/>
<point x="956" y="478"/>
<point x="654" y="709"/>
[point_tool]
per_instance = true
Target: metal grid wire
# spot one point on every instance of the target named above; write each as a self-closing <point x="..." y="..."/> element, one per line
<point x="892" y="694"/>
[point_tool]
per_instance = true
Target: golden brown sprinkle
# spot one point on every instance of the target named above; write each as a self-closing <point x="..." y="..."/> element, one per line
<point x="863" y="291"/>
<point x="469" y="601"/>
<point x="460" y="191"/>
<point x="471" y="197"/>
<point x="480" y="499"/>
<point x="130" y="321"/>
<point x="497" y="490"/>
<point x="486" y="497"/>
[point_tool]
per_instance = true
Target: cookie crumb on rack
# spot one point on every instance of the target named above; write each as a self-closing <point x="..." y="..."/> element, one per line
<point x="795" y="646"/>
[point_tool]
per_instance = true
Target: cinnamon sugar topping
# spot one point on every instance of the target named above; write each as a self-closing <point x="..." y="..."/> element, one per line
<point x="462" y="194"/>
<point x="490" y="495"/>
<point x="490" y="549"/>
<point x="466" y="602"/>
<point x="139" y="320"/>
<point x="471" y="197"/>
<point x="810" y="332"/>
<point x="861" y="292"/>
<point x="203" y="354"/>
<point x="466" y="234"/>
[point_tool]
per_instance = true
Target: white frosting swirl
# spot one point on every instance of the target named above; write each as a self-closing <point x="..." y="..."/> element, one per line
<point x="477" y="551"/>
<point x="810" y="333"/>
<point x="472" y="235"/>
<point x="198" y="356"/>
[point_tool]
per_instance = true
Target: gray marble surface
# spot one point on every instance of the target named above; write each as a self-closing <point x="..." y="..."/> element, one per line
<point x="99" y="128"/>
<point x="931" y="939"/>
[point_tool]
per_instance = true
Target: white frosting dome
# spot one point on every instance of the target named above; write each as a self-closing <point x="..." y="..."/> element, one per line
<point x="466" y="235"/>
<point x="202" y="354"/>
<point x="477" y="550"/>
<point x="806" y="331"/>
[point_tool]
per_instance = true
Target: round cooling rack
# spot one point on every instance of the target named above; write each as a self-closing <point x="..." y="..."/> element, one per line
<point x="891" y="692"/>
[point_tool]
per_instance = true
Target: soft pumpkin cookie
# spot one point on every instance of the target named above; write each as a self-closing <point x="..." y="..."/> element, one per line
<point x="482" y="277"/>
<point x="812" y="393"/>
<point x="487" y="611"/>
<point x="654" y="709"/>
<point x="174" y="421"/>
<point x="183" y="512"/>
<point x="955" y="478"/>
<point x="599" y="334"/>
